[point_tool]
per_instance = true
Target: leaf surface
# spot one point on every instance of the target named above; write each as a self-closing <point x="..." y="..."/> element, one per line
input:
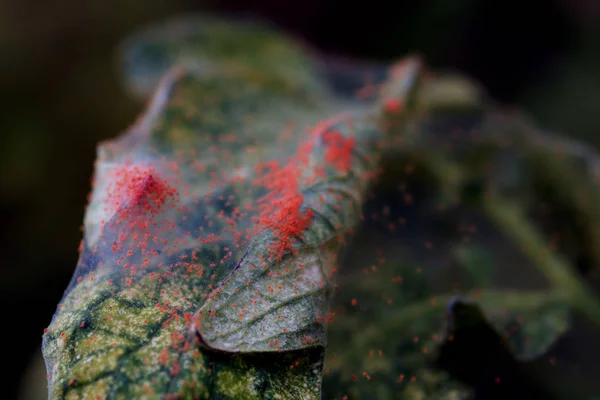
<point x="213" y="229"/>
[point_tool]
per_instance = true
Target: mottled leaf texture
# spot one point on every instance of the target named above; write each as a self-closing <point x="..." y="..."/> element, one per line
<point x="214" y="225"/>
<point x="213" y="44"/>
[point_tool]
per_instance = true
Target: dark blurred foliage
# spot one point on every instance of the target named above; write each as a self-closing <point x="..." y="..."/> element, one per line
<point x="62" y="95"/>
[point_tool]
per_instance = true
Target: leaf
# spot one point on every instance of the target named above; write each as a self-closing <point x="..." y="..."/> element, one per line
<point x="476" y="262"/>
<point x="212" y="234"/>
<point x="390" y="308"/>
<point x="218" y="222"/>
<point x="212" y="44"/>
<point x="389" y="335"/>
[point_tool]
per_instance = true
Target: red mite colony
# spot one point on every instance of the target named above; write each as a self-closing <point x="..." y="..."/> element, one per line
<point x="141" y="199"/>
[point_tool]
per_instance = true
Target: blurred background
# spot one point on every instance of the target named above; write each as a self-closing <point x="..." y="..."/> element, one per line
<point x="61" y="95"/>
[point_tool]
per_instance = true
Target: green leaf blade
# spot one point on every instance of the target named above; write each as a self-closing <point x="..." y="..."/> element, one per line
<point x="227" y="197"/>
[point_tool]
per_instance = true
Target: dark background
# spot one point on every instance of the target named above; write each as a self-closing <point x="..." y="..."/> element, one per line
<point x="61" y="95"/>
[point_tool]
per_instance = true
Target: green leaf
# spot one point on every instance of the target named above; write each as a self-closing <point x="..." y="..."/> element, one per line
<point x="476" y="262"/>
<point x="213" y="44"/>
<point x="392" y="329"/>
<point x="212" y="235"/>
<point x="216" y="224"/>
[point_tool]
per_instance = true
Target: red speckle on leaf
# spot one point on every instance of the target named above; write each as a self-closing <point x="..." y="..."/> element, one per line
<point x="175" y="369"/>
<point x="393" y="106"/>
<point x="163" y="357"/>
<point x="339" y="150"/>
<point x="280" y="209"/>
<point x="138" y="191"/>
